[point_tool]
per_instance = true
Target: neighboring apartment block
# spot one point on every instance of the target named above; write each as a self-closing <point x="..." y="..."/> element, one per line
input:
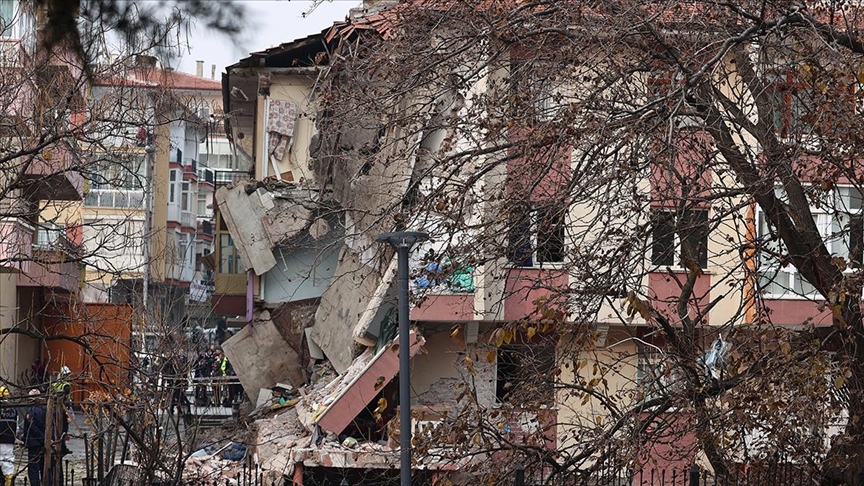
<point x="40" y="193"/>
<point x="143" y="204"/>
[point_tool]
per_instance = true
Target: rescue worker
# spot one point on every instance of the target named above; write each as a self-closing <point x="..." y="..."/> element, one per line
<point x="220" y="369"/>
<point x="62" y="390"/>
<point x="8" y="425"/>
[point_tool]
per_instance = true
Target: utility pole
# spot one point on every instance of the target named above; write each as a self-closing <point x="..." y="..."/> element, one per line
<point x="403" y="241"/>
<point x="150" y="155"/>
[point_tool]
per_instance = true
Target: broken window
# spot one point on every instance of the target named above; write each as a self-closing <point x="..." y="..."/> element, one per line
<point x="537" y="238"/>
<point x="679" y="237"/>
<point x="523" y="371"/>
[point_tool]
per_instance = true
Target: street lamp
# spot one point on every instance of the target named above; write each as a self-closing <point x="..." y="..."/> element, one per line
<point x="403" y="241"/>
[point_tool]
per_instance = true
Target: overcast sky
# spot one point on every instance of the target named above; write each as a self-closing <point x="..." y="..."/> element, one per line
<point x="270" y="22"/>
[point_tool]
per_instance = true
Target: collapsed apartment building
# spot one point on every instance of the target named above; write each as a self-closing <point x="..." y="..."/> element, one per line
<point x="319" y="294"/>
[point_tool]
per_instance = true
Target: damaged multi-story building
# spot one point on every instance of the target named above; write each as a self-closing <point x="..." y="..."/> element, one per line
<point x="297" y="256"/>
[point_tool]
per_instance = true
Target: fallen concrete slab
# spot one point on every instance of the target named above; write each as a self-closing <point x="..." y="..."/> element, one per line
<point x="260" y="216"/>
<point x="342" y="304"/>
<point x="261" y="358"/>
<point x="336" y="405"/>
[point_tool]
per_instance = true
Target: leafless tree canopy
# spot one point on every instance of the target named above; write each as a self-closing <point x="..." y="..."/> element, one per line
<point x="660" y="140"/>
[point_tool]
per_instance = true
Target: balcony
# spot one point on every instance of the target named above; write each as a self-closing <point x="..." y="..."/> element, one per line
<point x="205" y="228"/>
<point x="225" y="177"/>
<point x="16" y="244"/>
<point x="49" y="178"/>
<point x="188" y="220"/>
<point x="448" y="294"/>
<point x="190" y="166"/>
<point x="54" y="261"/>
<point x="115" y="198"/>
<point x="205" y="176"/>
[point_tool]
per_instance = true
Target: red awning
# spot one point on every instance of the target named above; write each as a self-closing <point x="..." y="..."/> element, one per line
<point x="338" y="403"/>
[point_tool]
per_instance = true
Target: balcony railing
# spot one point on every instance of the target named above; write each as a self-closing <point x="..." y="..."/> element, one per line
<point x="187" y="219"/>
<point x="205" y="175"/>
<point x="190" y="166"/>
<point x="230" y="176"/>
<point x="115" y="198"/>
<point x="205" y="227"/>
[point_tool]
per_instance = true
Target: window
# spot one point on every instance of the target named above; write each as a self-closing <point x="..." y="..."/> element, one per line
<point x="840" y="221"/>
<point x="530" y="80"/>
<point x="655" y="374"/>
<point x="202" y="205"/>
<point x="537" y="238"/>
<point x="116" y="181"/>
<point x="186" y="197"/>
<point x="792" y="104"/>
<point x="523" y="371"/>
<point x="7" y="17"/>
<point x="229" y="260"/>
<point x="172" y="186"/>
<point x="117" y="172"/>
<point x="679" y="237"/>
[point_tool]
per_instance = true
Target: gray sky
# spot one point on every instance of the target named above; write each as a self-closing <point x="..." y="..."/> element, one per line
<point x="270" y="22"/>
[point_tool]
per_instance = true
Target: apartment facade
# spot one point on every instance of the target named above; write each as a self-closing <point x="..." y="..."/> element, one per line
<point x="41" y="189"/>
<point x="142" y="209"/>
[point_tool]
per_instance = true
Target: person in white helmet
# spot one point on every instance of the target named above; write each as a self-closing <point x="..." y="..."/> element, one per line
<point x="8" y="426"/>
<point x="62" y="390"/>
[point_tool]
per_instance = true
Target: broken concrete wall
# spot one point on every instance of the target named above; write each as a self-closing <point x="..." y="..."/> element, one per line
<point x="261" y="358"/>
<point x="302" y="271"/>
<point x="342" y="304"/>
<point x="338" y="403"/>
<point x="291" y="320"/>
<point x="436" y="373"/>
<point x="261" y="216"/>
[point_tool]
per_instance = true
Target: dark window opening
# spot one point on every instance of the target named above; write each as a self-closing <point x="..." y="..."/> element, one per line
<point x="856" y="240"/>
<point x="537" y="237"/>
<point x="679" y="238"/>
<point x="524" y="372"/>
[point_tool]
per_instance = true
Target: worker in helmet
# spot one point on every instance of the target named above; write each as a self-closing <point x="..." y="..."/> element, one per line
<point x="8" y="426"/>
<point x="62" y="390"/>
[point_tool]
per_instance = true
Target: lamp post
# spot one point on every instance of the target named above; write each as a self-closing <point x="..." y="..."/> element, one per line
<point x="403" y="241"/>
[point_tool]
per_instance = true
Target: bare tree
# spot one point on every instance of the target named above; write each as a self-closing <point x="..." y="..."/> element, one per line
<point x="685" y="176"/>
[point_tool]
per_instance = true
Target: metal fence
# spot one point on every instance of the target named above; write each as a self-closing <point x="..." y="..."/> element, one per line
<point x="759" y="474"/>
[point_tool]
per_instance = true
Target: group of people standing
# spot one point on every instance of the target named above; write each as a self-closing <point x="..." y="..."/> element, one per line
<point x="31" y="431"/>
<point x="212" y="363"/>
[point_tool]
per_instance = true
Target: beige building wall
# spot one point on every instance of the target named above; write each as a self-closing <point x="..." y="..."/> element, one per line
<point x="159" y="242"/>
<point x="8" y="320"/>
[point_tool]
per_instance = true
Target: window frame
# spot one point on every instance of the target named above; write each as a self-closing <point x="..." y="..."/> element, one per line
<point x="828" y="217"/>
<point x="648" y="360"/>
<point x="702" y="258"/>
<point x="517" y="245"/>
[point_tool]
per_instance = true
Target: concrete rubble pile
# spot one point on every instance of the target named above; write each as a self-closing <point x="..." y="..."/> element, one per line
<point x="211" y="464"/>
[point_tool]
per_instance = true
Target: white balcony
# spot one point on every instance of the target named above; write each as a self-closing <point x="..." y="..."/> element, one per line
<point x="115" y="198"/>
<point x="188" y="220"/>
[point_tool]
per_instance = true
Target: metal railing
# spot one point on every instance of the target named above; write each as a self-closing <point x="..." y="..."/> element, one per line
<point x="762" y="473"/>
